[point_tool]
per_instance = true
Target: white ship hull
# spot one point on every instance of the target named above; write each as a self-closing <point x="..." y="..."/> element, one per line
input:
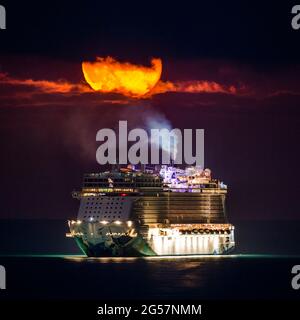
<point x="96" y="239"/>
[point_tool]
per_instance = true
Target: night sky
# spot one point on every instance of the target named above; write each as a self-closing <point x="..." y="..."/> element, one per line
<point x="251" y="135"/>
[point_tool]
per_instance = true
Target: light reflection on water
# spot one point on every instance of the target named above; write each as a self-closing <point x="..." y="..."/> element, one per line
<point x="82" y="258"/>
<point x="172" y="273"/>
<point x="207" y="277"/>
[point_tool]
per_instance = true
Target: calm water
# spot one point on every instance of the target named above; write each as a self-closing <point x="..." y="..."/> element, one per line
<point x="226" y="277"/>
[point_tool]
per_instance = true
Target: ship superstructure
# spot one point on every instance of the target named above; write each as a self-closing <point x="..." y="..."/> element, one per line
<point x="163" y="211"/>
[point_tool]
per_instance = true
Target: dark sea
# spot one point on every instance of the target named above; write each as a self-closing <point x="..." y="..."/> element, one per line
<point x="41" y="263"/>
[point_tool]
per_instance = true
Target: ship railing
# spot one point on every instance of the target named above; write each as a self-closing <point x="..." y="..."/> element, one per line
<point x="196" y="190"/>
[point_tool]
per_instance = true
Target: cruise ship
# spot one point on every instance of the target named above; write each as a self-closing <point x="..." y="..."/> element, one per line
<point x="162" y="211"/>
